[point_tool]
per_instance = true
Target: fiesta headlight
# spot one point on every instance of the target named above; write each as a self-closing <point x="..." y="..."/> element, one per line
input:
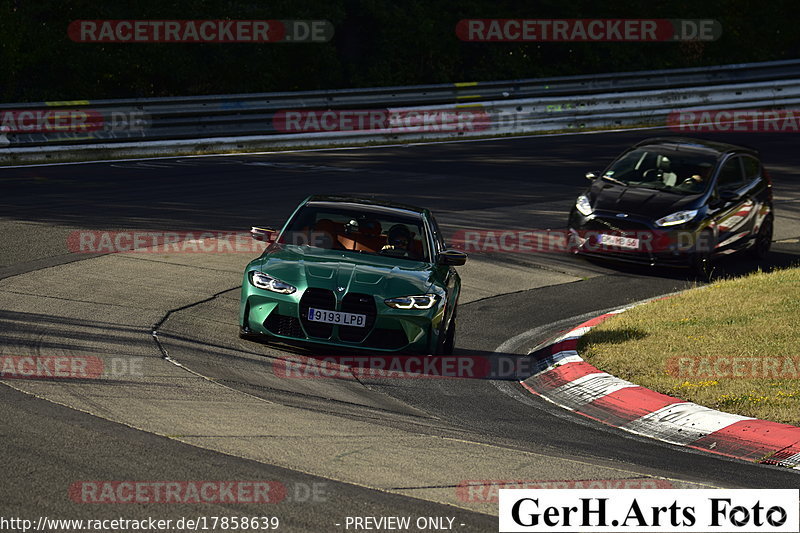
<point x="583" y="206"/>
<point x="424" y="301"/>
<point x="262" y="281"/>
<point x="677" y="218"/>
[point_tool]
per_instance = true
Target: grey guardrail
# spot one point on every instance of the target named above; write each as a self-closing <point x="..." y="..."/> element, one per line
<point x="40" y="131"/>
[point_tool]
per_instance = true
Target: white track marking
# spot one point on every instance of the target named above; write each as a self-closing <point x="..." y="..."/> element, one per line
<point x="562" y="358"/>
<point x="682" y="423"/>
<point x="587" y="389"/>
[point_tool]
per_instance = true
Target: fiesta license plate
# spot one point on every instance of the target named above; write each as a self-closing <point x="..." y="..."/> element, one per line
<point x="337" y="317"/>
<point x="628" y="243"/>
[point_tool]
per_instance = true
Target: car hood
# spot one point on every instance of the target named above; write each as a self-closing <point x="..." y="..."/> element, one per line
<point x="649" y="203"/>
<point x="330" y="269"/>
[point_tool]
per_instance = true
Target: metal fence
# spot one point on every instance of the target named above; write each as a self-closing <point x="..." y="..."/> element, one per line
<point x="395" y="113"/>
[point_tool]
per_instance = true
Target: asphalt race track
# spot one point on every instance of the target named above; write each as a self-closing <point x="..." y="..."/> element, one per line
<point x="215" y="408"/>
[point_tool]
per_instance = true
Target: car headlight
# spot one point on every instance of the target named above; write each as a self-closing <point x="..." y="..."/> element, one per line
<point x="677" y="218"/>
<point x="423" y="301"/>
<point x="262" y="281"/>
<point x="583" y="206"/>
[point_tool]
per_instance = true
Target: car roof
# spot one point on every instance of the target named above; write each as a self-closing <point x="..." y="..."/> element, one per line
<point x="699" y="145"/>
<point x="372" y="204"/>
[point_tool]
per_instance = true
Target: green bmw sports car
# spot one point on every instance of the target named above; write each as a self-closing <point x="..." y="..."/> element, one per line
<point x="355" y="273"/>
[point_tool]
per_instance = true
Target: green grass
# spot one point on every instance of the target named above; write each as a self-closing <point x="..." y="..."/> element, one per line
<point x="732" y="346"/>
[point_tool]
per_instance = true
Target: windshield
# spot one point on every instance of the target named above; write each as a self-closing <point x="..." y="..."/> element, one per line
<point x="364" y="231"/>
<point x="665" y="170"/>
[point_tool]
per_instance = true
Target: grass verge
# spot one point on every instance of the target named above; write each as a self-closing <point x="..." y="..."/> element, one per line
<point x="732" y="346"/>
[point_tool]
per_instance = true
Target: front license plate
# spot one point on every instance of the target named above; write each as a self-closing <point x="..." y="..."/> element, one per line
<point x="337" y="317"/>
<point x="629" y="243"/>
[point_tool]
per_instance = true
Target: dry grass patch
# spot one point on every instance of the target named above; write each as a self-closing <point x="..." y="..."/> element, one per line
<point x="732" y="346"/>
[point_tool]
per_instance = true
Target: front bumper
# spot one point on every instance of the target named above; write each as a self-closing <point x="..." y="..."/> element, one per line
<point x="670" y="247"/>
<point x="283" y="316"/>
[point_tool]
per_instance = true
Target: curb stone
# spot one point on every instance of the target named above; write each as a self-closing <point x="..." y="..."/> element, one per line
<point x="565" y="379"/>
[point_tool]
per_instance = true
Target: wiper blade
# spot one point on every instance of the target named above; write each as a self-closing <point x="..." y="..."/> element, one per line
<point x="613" y="180"/>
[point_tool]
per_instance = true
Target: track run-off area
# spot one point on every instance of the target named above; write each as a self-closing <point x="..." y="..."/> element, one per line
<point x="190" y="401"/>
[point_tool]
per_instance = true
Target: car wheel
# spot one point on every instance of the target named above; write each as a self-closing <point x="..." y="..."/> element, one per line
<point x="449" y="343"/>
<point x="701" y="261"/>
<point x="760" y="248"/>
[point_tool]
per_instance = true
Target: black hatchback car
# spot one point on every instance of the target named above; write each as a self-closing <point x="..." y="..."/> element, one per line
<point x="675" y="202"/>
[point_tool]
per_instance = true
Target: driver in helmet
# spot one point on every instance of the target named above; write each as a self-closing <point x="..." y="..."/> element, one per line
<point x="398" y="241"/>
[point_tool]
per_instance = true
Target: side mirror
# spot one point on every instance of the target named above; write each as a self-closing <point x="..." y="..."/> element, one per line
<point x="267" y="235"/>
<point x="451" y="258"/>
<point x="729" y="196"/>
<point x="592" y="175"/>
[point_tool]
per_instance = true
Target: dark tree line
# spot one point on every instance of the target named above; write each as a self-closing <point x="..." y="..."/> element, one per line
<point x="377" y="43"/>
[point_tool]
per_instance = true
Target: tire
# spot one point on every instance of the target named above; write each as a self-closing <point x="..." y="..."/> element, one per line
<point x="763" y="241"/>
<point x="449" y="343"/>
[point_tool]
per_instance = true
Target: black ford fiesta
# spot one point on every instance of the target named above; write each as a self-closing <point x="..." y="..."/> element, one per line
<point x="675" y="202"/>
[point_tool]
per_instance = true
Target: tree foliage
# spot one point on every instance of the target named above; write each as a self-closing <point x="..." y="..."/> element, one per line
<point x="377" y="43"/>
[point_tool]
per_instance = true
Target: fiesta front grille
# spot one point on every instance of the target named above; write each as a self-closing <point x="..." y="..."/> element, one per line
<point x="615" y="225"/>
<point x="362" y="304"/>
<point x="286" y="326"/>
<point x="317" y="299"/>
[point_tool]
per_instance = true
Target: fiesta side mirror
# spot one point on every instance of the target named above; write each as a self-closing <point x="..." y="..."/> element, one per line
<point x="592" y="175"/>
<point x="452" y="258"/>
<point x="729" y="196"/>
